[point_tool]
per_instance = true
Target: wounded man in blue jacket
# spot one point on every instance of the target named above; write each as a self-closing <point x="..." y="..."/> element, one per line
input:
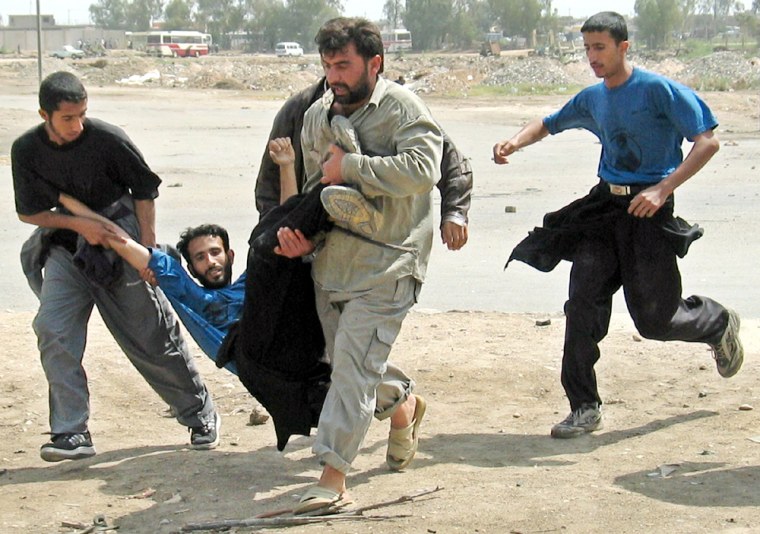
<point x="210" y="306"/>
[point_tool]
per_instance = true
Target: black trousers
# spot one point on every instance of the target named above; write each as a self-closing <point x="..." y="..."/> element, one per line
<point x="278" y="344"/>
<point x="632" y="253"/>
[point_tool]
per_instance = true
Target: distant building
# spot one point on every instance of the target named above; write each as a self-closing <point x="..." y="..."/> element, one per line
<point x="21" y="35"/>
<point x="29" y="22"/>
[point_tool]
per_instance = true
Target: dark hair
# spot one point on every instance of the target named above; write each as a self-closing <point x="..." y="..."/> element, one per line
<point x="337" y="33"/>
<point x="607" y="21"/>
<point x="213" y="230"/>
<point x="60" y="87"/>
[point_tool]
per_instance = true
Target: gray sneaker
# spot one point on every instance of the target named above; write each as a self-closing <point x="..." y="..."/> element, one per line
<point x="587" y="418"/>
<point x="206" y="437"/>
<point x="349" y="209"/>
<point x="345" y="134"/>
<point x="729" y="353"/>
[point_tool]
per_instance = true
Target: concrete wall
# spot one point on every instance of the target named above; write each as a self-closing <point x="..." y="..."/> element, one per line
<point x="11" y="39"/>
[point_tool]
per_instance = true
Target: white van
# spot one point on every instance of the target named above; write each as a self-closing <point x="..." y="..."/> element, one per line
<point x="288" y="49"/>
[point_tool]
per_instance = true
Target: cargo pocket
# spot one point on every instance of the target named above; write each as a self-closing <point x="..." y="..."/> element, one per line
<point x="376" y="359"/>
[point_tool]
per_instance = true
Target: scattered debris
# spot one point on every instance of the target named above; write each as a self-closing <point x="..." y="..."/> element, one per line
<point x="444" y="74"/>
<point x="663" y="471"/>
<point x="258" y="416"/>
<point x="174" y="499"/>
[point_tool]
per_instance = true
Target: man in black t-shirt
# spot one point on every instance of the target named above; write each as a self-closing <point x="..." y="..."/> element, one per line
<point x="98" y="164"/>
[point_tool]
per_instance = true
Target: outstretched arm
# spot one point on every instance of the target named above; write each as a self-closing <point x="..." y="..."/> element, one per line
<point x="531" y="133"/>
<point x="133" y="252"/>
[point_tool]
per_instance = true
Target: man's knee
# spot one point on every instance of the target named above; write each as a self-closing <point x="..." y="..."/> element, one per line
<point x="652" y="323"/>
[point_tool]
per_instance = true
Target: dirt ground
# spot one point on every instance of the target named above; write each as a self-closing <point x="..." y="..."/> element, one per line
<point x="679" y="452"/>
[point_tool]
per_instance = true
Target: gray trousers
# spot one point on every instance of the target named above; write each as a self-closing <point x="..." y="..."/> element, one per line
<point x="360" y="329"/>
<point x="141" y="322"/>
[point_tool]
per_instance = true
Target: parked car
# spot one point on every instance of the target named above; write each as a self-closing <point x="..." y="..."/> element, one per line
<point x="68" y="51"/>
<point x="288" y="49"/>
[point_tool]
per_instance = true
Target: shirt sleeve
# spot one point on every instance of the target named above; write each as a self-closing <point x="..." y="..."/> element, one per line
<point x="175" y="281"/>
<point x="574" y="114"/>
<point x="139" y="178"/>
<point x="32" y="193"/>
<point x="686" y="111"/>
<point x="414" y="169"/>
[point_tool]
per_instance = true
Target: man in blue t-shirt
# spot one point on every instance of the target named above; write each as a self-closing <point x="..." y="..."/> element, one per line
<point x="623" y="233"/>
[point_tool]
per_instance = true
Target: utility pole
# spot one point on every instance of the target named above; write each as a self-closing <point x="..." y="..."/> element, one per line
<point x="39" y="45"/>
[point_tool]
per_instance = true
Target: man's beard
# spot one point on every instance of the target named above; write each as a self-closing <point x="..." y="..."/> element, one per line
<point x="218" y="284"/>
<point x="356" y="94"/>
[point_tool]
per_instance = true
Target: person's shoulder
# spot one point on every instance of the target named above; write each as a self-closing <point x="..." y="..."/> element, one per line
<point x="651" y="78"/>
<point x="28" y="138"/>
<point x="660" y="83"/>
<point x="305" y="98"/>
<point x="106" y="129"/>
<point x="389" y="93"/>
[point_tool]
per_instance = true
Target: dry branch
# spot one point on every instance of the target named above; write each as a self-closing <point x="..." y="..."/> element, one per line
<point x="269" y="522"/>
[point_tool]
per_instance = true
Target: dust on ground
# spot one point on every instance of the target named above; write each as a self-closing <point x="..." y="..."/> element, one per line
<point x="679" y="452"/>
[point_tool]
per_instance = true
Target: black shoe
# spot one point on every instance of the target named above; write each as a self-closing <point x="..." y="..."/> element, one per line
<point x="207" y="436"/>
<point x="68" y="446"/>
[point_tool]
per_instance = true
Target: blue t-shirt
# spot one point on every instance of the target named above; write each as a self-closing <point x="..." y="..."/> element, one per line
<point x="207" y="314"/>
<point x="641" y="125"/>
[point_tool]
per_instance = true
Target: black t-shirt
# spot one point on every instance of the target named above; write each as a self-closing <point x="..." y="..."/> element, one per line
<point x="98" y="168"/>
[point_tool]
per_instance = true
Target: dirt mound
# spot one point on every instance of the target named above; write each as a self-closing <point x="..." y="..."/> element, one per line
<point x="445" y="74"/>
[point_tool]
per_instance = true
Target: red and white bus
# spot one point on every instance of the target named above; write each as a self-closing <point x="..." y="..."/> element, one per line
<point x="396" y="40"/>
<point x="172" y="43"/>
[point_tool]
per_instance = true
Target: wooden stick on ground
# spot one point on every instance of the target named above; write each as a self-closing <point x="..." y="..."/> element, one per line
<point x="268" y="522"/>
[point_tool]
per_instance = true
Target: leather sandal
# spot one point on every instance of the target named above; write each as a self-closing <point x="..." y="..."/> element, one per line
<point x="402" y="442"/>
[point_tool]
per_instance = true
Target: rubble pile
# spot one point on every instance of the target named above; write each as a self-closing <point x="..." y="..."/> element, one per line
<point x="537" y="72"/>
<point x="722" y="71"/>
<point x="450" y="74"/>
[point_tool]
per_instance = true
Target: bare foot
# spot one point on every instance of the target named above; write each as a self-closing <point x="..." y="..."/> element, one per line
<point x="404" y="414"/>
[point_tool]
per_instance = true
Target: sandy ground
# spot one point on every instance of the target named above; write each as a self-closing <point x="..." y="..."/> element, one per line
<point x="680" y="449"/>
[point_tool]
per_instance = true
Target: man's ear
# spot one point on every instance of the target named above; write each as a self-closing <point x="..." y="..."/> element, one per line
<point x="374" y="65"/>
<point x="43" y="114"/>
<point x="231" y="256"/>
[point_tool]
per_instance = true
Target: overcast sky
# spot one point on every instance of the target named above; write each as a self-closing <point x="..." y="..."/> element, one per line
<point x="77" y="11"/>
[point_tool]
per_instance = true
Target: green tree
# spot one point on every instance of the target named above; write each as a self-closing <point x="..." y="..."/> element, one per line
<point x="428" y="21"/>
<point x="109" y="14"/>
<point x="303" y="18"/>
<point x="657" y="21"/>
<point x="140" y="13"/>
<point x="126" y="14"/>
<point x="748" y="24"/>
<point x="517" y="17"/>
<point x="264" y="20"/>
<point x="463" y="30"/>
<point x="178" y="15"/>
<point x="394" y="12"/>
